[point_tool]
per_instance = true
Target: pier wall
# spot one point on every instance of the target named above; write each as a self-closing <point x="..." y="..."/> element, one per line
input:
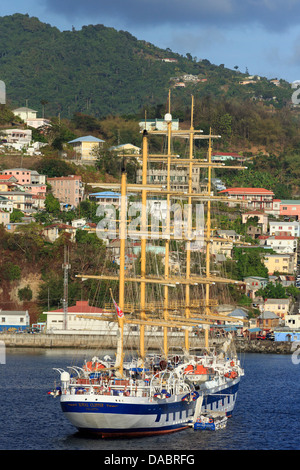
<point x="92" y="341"/>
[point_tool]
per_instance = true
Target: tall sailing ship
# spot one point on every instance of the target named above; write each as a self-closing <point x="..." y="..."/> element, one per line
<point x="164" y="391"/>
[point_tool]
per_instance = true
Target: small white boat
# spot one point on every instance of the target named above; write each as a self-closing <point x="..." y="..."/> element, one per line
<point x="210" y="422"/>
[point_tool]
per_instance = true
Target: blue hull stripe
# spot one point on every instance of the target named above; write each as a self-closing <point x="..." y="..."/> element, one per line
<point x="126" y="408"/>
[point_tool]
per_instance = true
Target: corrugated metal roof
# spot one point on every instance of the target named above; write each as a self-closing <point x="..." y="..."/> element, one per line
<point x="87" y="138"/>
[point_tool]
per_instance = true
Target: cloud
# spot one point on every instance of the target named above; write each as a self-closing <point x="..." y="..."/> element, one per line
<point x="272" y="15"/>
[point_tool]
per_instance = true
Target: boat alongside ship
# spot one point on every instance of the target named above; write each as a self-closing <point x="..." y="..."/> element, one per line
<point x="157" y="393"/>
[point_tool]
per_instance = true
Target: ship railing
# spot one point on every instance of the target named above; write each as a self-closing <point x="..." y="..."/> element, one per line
<point x="110" y="387"/>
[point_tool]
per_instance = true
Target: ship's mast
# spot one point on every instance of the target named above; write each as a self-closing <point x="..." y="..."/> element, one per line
<point x="143" y="243"/>
<point x="189" y="227"/>
<point x="145" y="189"/>
<point x="122" y="236"/>
<point x="168" y="119"/>
<point x="208" y="239"/>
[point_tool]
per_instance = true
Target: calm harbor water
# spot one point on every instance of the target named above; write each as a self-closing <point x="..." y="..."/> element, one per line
<point x="266" y="416"/>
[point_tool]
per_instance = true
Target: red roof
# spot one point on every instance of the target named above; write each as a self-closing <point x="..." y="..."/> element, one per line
<point x="6" y="177"/>
<point x="247" y="191"/>
<point x="82" y="306"/>
<point x="284" y="237"/>
<point x="277" y="237"/>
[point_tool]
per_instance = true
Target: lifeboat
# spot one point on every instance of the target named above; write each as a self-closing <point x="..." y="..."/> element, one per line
<point x="198" y="373"/>
<point x="93" y="366"/>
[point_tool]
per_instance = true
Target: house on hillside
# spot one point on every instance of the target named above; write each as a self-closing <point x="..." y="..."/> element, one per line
<point x="262" y="222"/>
<point x="253" y="284"/>
<point x="126" y="148"/>
<point x="85" y="148"/>
<point x="285" y="228"/>
<point x="25" y="113"/>
<point x="290" y="208"/>
<point x="280" y="307"/>
<point x="250" y="198"/>
<point x="278" y="262"/>
<point x="67" y="189"/>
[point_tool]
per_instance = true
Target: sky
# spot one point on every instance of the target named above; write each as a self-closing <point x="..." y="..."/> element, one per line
<point x="261" y="36"/>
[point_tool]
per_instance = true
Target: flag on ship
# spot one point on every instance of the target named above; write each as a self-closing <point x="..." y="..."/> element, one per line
<point x="119" y="311"/>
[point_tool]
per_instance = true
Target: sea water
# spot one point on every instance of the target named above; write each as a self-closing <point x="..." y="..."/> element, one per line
<point x="266" y="415"/>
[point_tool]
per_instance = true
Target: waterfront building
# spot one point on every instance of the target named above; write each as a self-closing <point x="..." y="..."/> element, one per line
<point x="13" y="320"/>
<point x="76" y="324"/>
<point x="292" y="320"/>
<point x="267" y="320"/>
<point x="286" y="335"/>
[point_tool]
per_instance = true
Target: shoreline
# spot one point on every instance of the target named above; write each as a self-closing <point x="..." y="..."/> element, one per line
<point x="92" y="341"/>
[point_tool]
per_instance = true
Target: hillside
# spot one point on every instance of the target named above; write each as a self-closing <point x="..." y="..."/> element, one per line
<point x="101" y="71"/>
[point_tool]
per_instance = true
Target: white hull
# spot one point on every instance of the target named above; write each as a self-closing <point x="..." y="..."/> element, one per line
<point x="112" y="416"/>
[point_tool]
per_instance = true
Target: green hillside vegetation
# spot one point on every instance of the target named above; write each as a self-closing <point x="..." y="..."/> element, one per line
<point x="99" y="71"/>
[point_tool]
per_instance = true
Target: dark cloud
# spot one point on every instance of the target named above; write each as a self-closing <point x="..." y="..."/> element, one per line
<point x="272" y="15"/>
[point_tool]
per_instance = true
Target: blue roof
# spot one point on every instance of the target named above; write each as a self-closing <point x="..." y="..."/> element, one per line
<point x="87" y="138"/>
<point x="106" y="194"/>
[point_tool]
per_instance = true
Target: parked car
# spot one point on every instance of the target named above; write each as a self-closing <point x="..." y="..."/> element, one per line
<point x="261" y="337"/>
<point x="270" y="336"/>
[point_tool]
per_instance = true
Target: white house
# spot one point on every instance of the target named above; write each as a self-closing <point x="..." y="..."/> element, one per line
<point x="76" y="323"/>
<point x="6" y="204"/>
<point x="279" y="243"/>
<point x="285" y="228"/>
<point x="25" y="113"/>
<point x="292" y="321"/>
<point x="17" y="138"/>
<point x="14" y="320"/>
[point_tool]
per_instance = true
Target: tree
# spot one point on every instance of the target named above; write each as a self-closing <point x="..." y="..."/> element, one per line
<point x="11" y="272"/>
<point x="25" y="293"/>
<point x="52" y="204"/>
<point x="272" y="291"/>
<point x="16" y="215"/>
